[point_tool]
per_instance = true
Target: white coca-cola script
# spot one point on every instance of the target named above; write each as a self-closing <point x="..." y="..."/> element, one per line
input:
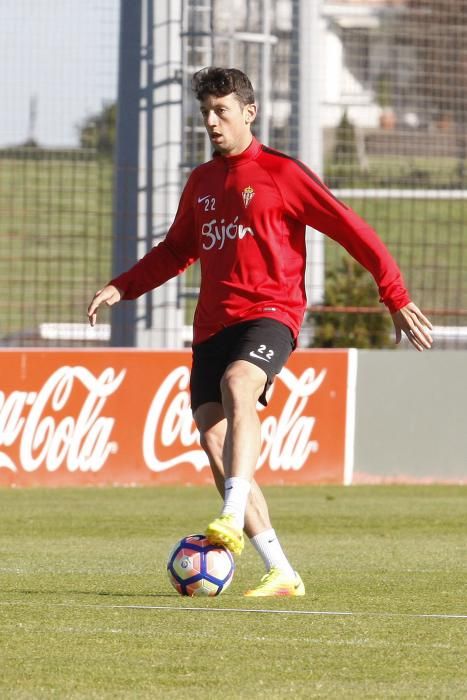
<point x="62" y="423"/>
<point x="47" y="437"/>
<point x="286" y="440"/>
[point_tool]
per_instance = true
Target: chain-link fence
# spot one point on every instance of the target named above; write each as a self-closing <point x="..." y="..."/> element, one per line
<point x="387" y="89"/>
<point x="59" y="61"/>
<point x="395" y="149"/>
<point x="392" y="110"/>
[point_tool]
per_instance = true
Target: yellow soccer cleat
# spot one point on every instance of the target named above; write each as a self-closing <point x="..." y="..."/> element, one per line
<point x="276" y="583"/>
<point x="222" y="531"/>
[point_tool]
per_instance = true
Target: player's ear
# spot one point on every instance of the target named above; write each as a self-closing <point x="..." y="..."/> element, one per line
<point x="250" y="113"/>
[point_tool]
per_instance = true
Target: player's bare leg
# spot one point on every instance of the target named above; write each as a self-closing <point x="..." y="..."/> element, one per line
<point x="212" y="426"/>
<point x="242" y="385"/>
<point x="280" y="578"/>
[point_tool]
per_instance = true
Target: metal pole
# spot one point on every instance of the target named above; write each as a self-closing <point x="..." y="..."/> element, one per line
<point x="163" y="158"/>
<point x="311" y="76"/>
<point x="310" y="129"/>
<point x="126" y="164"/>
<point x="266" y="73"/>
<point x="149" y="145"/>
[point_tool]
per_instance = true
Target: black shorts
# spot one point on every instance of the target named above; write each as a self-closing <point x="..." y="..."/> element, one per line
<point x="264" y="342"/>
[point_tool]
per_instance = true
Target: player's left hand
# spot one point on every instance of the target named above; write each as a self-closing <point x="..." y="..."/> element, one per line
<point x="415" y="325"/>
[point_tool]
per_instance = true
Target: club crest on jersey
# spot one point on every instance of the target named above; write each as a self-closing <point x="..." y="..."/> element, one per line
<point x="247" y="195"/>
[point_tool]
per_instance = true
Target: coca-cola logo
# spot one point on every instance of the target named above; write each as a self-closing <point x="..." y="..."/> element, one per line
<point x="63" y="423"/>
<point x="286" y="439"/>
<point x="48" y="438"/>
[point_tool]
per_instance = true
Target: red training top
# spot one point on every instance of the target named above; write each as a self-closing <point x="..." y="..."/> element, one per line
<point x="244" y="217"/>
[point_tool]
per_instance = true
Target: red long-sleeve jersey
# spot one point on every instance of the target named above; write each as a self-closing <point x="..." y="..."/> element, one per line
<point x="244" y="218"/>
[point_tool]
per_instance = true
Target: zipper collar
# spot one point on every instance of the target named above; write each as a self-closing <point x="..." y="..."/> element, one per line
<point x="249" y="154"/>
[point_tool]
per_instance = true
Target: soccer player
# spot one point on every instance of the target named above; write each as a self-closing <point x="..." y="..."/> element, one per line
<point x="243" y="215"/>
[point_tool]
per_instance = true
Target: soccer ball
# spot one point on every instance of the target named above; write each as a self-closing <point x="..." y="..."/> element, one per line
<point x="196" y="567"/>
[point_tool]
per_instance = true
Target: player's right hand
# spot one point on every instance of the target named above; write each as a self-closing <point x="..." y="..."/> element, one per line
<point x="109" y="295"/>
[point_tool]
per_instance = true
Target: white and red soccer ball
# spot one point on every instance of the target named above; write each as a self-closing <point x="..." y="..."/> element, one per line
<point x="197" y="567"/>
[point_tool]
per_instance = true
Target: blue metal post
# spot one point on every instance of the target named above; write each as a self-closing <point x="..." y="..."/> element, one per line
<point x="126" y="164"/>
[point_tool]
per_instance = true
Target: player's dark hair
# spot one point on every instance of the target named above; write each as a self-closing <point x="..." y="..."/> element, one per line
<point x="221" y="82"/>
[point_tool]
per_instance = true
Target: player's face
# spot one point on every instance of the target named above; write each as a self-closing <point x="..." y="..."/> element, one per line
<point x="228" y="123"/>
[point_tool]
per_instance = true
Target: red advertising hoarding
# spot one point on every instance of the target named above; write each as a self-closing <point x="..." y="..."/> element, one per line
<point x="78" y="417"/>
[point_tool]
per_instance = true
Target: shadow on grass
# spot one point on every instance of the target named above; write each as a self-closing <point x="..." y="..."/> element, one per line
<point x="108" y="594"/>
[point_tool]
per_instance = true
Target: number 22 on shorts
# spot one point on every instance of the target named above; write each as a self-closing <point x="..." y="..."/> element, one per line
<point x="262" y="353"/>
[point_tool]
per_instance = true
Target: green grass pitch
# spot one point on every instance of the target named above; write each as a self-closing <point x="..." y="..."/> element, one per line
<point x="86" y="610"/>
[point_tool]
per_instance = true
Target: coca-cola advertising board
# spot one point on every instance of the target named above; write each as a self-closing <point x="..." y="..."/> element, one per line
<point x="80" y="417"/>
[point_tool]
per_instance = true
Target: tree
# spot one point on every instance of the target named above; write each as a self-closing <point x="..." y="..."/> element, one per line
<point x="345" y="149"/>
<point x="349" y="285"/>
<point x="99" y="131"/>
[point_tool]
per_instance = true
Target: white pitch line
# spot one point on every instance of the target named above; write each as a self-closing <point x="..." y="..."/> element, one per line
<point x="263" y="611"/>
